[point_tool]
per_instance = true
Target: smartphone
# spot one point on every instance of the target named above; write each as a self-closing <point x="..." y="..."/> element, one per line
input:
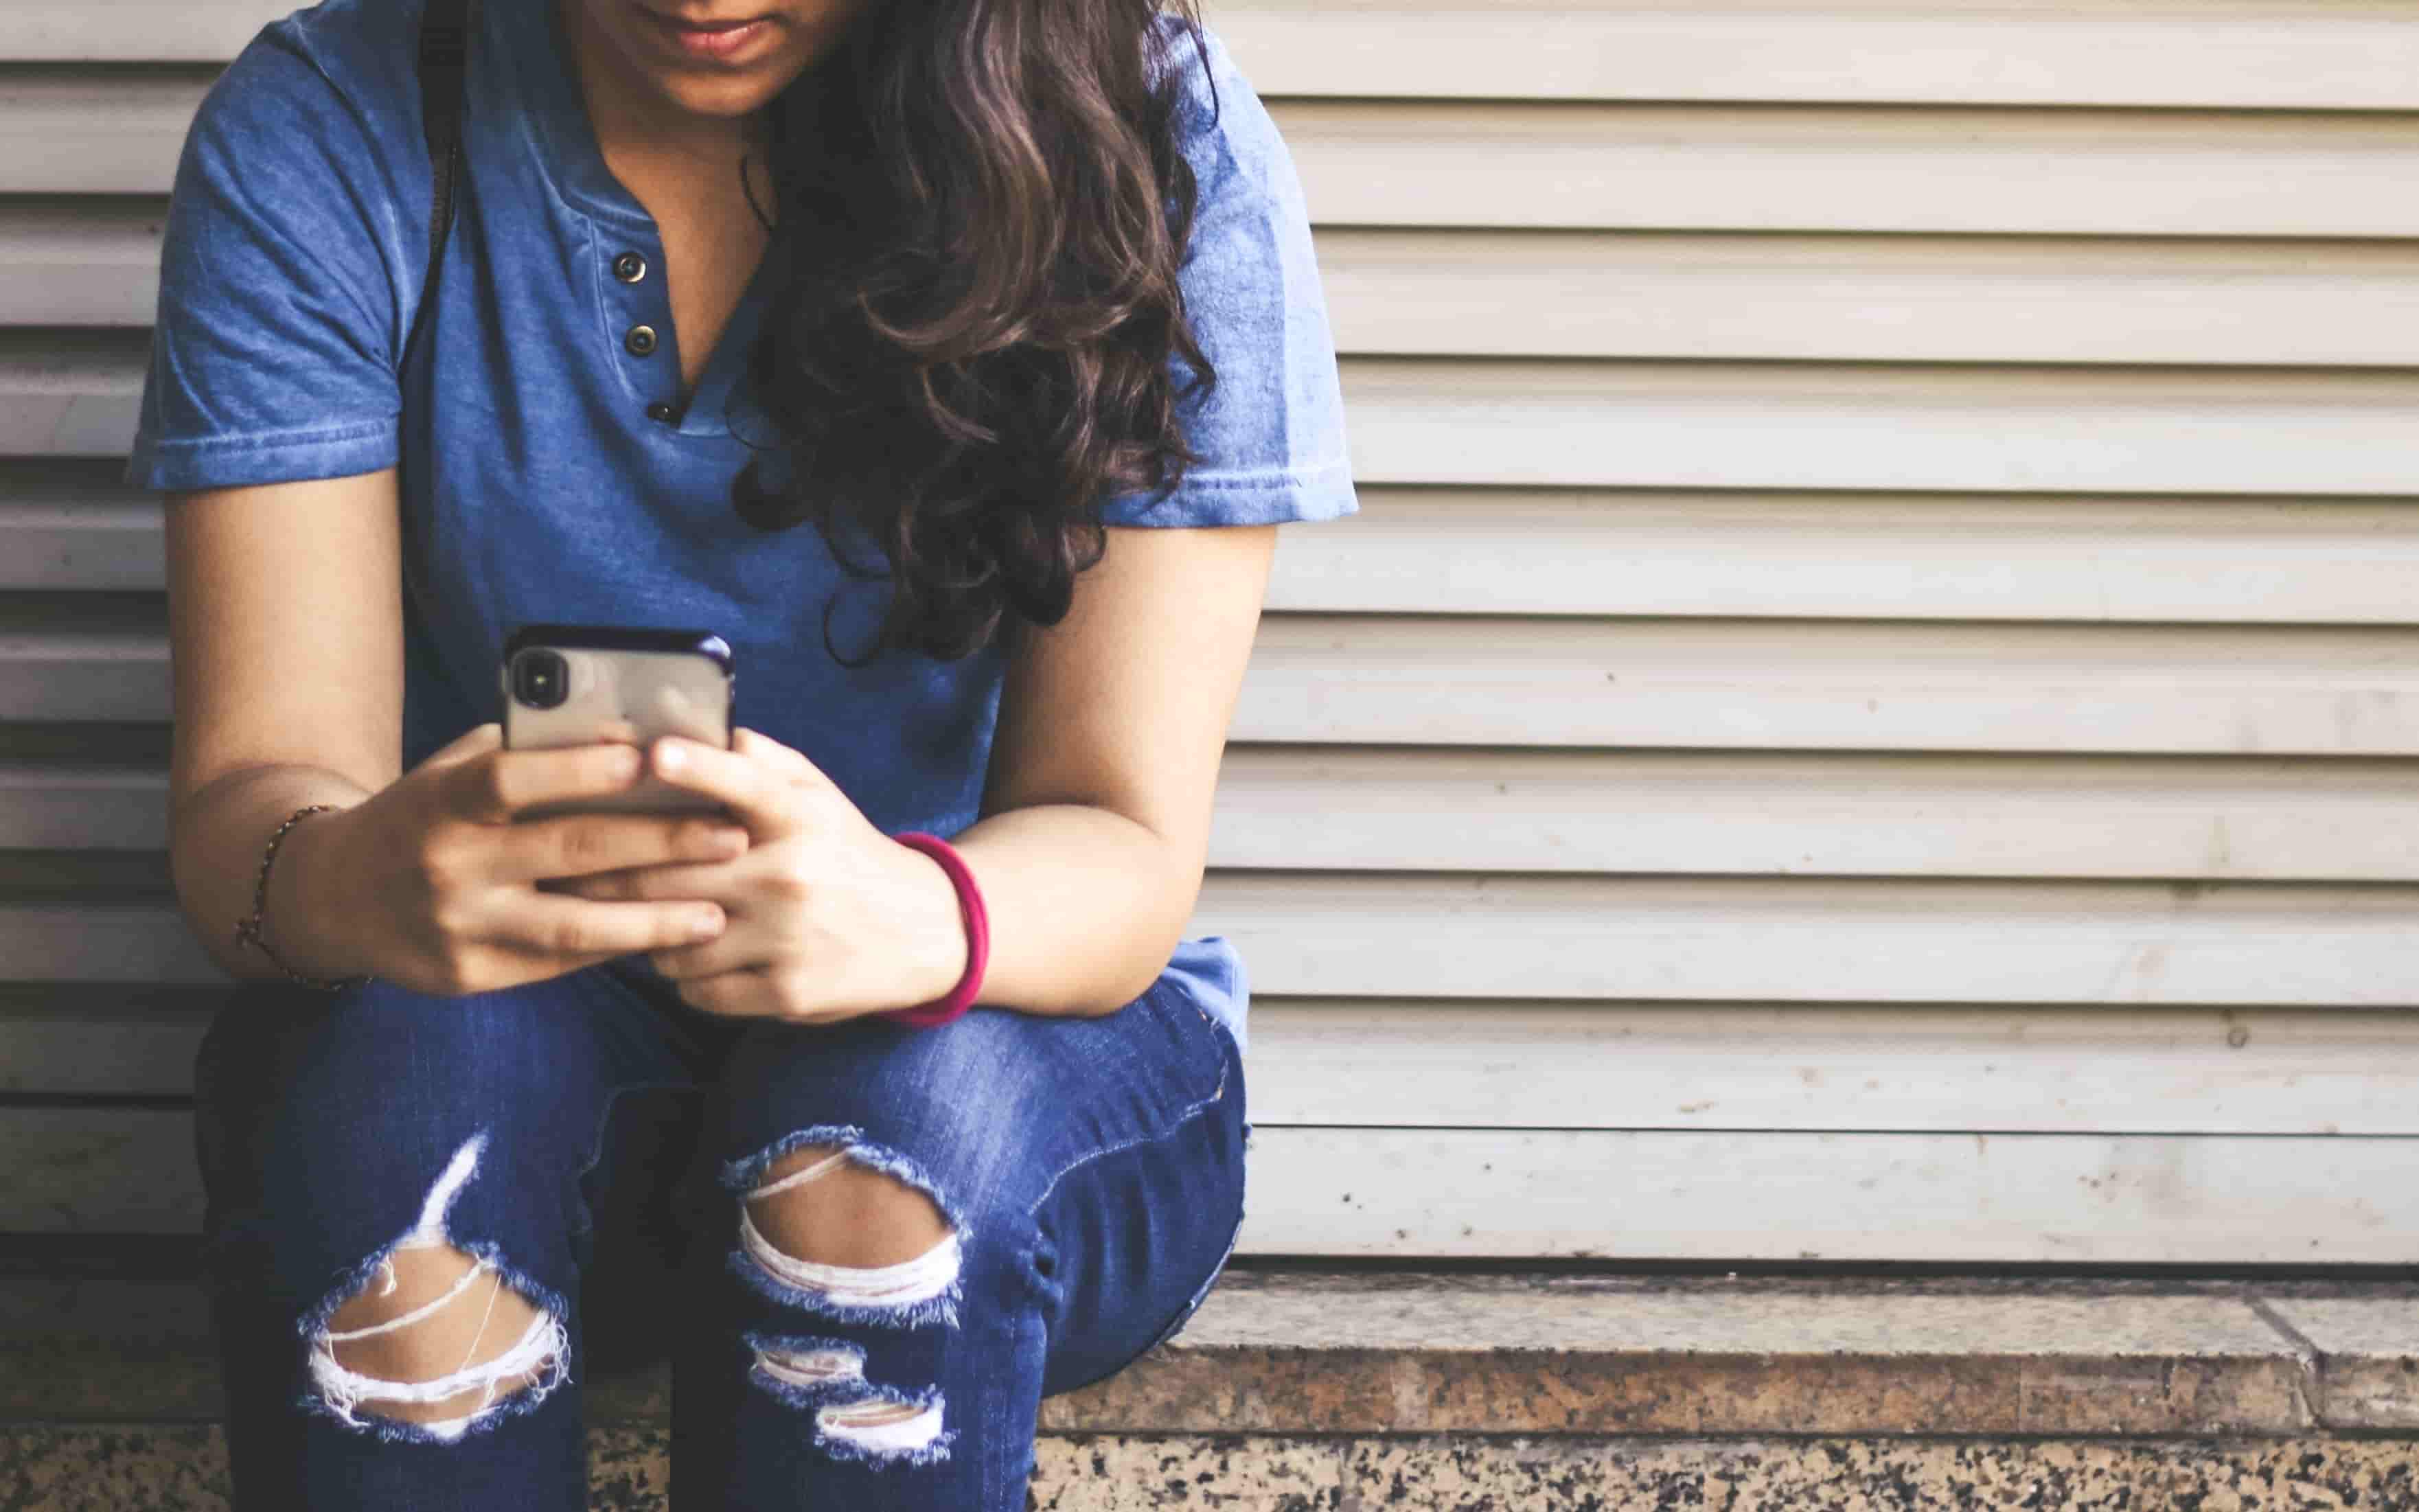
<point x="580" y="685"/>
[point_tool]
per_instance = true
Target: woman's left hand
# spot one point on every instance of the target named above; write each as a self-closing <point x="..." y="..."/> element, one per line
<point x="830" y="919"/>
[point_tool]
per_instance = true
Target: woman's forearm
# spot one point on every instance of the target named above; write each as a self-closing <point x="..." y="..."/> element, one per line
<point x="1085" y="906"/>
<point x="218" y="833"/>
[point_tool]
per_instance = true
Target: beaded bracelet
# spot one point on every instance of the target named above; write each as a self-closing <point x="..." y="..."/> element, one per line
<point x="942" y="1010"/>
<point x="252" y="930"/>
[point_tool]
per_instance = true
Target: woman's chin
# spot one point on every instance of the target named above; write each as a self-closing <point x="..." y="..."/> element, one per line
<point x="721" y="96"/>
<point x="729" y="72"/>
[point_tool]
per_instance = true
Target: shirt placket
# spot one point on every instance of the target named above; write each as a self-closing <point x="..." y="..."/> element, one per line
<point x="641" y="312"/>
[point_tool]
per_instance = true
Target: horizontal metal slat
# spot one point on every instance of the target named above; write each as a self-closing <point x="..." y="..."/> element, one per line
<point x="84" y="657"/>
<point x="70" y="526"/>
<point x="1286" y="808"/>
<point x="86" y="745"/>
<point x="2350" y="53"/>
<point x="125" y="944"/>
<point x="83" y="262"/>
<point x="1804" y="1067"/>
<point x="94" y="131"/>
<point x="1289" y="808"/>
<point x="58" y="806"/>
<point x="1835" y="940"/>
<point x="1880" y="426"/>
<point x="1375" y="1064"/>
<point x="141" y="31"/>
<point x="1912" y="297"/>
<point x="1958" y="1199"/>
<point x="1859" y="556"/>
<point x="1674" y="424"/>
<point x="1834" y="685"/>
<point x="2330" y="55"/>
<point x="1401" y="163"/>
<point x="75" y="525"/>
<point x="99" y="1170"/>
<point x="1841" y="940"/>
<point x="2138" y="1200"/>
<point x="70" y="394"/>
<point x="1646" y="294"/>
<point x="69" y="1042"/>
<point x="1776" y="685"/>
<point x="1653" y="166"/>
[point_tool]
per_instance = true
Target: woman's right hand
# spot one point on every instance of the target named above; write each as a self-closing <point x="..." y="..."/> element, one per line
<point x="432" y="883"/>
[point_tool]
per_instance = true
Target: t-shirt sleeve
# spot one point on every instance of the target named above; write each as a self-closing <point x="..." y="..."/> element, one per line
<point x="1271" y="432"/>
<point x="273" y="358"/>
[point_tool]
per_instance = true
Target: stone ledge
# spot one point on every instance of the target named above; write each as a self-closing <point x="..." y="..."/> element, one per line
<point x="1352" y="1354"/>
<point x="2367" y="1351"/>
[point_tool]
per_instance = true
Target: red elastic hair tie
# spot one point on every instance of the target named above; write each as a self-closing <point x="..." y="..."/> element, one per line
<point x="978" y="920"/>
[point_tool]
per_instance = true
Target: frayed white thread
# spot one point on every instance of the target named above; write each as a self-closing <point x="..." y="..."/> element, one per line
<point x="485" y="1319"/>
<point x="543" y="1343"/>
<point x="423" y="1310"/>
<point x="801" y="1176"/>
<point x="430" y="1231"/>
<point x="880" y="1426"/>
<point x="925" y="1276"/>
<point x="811" y="1367"/>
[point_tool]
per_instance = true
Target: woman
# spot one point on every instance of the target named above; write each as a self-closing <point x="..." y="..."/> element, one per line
<point x="879" y="338"/>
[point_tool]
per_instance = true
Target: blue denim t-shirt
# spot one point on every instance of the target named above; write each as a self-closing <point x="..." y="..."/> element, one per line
<point x="537" y="484"/>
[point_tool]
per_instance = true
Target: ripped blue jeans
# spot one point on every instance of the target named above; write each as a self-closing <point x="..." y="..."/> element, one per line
<point x="1089" y="1173"/>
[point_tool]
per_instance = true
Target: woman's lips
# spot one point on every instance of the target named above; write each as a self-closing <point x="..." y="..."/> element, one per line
<point x="719" y="41"/>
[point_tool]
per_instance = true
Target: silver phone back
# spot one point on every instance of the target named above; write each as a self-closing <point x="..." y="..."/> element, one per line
<point x="630" y="696"/>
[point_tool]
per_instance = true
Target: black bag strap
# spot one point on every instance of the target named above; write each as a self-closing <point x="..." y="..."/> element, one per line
<point x="444" y="43"/>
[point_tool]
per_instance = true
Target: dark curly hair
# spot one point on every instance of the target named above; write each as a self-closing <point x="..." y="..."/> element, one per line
<point x="977" y="336"/>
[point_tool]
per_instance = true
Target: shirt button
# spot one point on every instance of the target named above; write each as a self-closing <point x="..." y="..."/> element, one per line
<point x="629" y="267"/>
<point x="660" y="412"/>
<point x="641" y="340"/>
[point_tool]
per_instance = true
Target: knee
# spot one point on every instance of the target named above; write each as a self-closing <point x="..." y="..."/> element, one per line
<point x="869" y="1165"/>
<point x="436" y="1338"/>
<point x="819" y="1203"/>
<point x="326" y="1128"/>
<point x="840" y="1228"/>
<point x="834" y="1223"/>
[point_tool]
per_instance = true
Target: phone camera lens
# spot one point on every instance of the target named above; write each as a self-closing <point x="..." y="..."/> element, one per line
<point x="541" y="679"/>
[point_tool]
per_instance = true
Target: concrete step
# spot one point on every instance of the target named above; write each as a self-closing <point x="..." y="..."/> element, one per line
<point x="1297" y="1389"/>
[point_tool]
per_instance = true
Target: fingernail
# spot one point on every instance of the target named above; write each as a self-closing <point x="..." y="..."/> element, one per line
<point x="708" y="922"/>
<point x="729" y="839"/>
<point x="670" y="757"/>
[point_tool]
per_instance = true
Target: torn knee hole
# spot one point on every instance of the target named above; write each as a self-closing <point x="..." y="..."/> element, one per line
<point x="820" y="1204"/>
<point x="808" y="1366"/>
<point x="882" y="1427"/>
<point x="829" y="1222"/>
<point x="854" y="1418"/>
<point x="437" y="1336"/>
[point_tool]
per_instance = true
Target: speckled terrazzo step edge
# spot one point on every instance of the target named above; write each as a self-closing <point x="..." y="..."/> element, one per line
<point x="1356" y="1355"/>
<point x="122" y="1467"/>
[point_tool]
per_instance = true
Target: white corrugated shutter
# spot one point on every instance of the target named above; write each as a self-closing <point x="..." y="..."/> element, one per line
<point x="1868" y="713"/>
